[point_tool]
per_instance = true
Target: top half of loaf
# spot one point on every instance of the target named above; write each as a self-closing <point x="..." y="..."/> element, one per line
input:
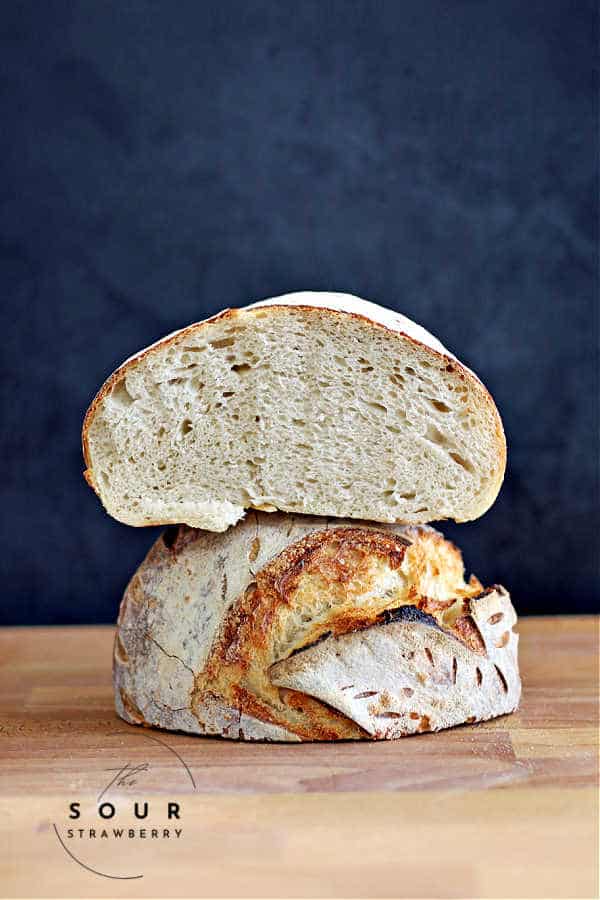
<point x="315" y="403"/>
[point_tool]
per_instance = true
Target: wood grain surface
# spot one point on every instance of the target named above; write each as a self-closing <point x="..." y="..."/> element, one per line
<point x="507" y="808"/>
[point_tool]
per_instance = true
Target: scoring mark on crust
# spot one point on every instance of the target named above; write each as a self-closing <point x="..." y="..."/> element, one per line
<point x="502" y="678"/>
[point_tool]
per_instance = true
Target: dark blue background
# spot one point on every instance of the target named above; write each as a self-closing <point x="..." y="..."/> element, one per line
<point x="162" y="160"/>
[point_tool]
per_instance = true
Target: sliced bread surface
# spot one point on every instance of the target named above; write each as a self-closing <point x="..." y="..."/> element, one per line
<point x="316" y="403"/>
<point x="295" y="628"/>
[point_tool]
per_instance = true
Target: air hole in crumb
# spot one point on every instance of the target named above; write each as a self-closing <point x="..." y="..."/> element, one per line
<point x="436" y="436"/>
<point x="440" y="405"/>
<point x="429" y="655"/>
<point x="194" y="349"/>
<point x="479" y="676"/>
<point x="495" y="618"/>
<point x="224" y="342"/>
<point x="461" y="461"/>
<point x="409" y="370"/>
<point x="228" y="393"/>
<point x="185" y="427"/>
<point x="409" y="495"/>
<point x="365" y="694"/>
<point x="408" y="691"/>
<point x="454" y="669"/>
<point x="161" y="465"/>
<point x="503" y="641"/>
<point x="120" y="395"/>
<point x="389" y="715"/>
<point x="379" y="407"/>
<point x="241" y="369"/>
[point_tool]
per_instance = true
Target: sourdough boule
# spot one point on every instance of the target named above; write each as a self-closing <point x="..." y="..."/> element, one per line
<point x="295" y="628"/>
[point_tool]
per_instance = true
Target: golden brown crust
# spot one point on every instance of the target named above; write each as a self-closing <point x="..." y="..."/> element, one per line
<point x="336" y="556"/>
<point x="344" y="565"/>
<point x="452" y="365"/>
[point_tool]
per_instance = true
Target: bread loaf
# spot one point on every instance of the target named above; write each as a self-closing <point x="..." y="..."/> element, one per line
<point x="296" y="628"/>
<point x="322" y="404"/>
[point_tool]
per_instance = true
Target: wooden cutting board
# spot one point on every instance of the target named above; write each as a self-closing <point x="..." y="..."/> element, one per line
<point x="508" y="808"/>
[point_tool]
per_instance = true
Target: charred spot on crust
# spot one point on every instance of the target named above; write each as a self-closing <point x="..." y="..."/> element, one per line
<point x="406" y="614"/>
<point x="493" y="589"/>
<point x="319" y="640"/>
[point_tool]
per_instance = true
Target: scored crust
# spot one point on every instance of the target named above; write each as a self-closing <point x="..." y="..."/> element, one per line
<point x="258" y="633"/>
<point x="218" y="510"/>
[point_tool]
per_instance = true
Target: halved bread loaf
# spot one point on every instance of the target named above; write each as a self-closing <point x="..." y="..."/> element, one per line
<point x="314" y="403"/>
<point x="297" y="628"/>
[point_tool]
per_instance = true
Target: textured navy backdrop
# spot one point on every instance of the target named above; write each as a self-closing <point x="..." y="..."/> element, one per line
<point x="164" y="160"/>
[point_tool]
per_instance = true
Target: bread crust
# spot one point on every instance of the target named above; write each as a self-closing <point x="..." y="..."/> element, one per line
<point x="393" y="324"/>
<point x="238" y="634"/>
